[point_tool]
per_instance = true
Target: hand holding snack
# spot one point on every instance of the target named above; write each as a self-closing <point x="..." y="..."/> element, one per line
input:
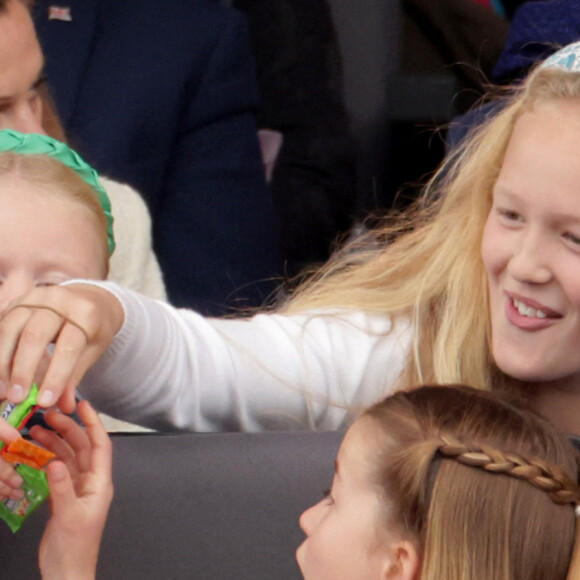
<point x="10" y="482"/>
<point x="81" y="490"/>
<point x="81" y="320"/>
<point x="12" y="417"/>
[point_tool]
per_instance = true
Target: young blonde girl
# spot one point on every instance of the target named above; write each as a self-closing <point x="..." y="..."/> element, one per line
<point x="479" y="285"/>
<point x="55" y="224"/>
<point x="447" y="482"/>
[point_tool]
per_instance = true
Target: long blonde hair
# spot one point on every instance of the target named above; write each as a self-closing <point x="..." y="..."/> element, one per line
<point x="427" y="267"/>
<point x="484" y="489"/>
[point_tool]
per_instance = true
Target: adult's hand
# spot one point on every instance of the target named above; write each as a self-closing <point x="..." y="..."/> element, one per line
<point x="80" y="319"/>
<point x="81" y="491"/>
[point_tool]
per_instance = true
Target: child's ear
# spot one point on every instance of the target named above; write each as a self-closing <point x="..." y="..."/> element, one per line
<point x="403" y="562"/>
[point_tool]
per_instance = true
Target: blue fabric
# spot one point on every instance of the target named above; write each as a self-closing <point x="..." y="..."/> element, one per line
<point x="161" y="94"/>
<point x="498" y="8"/>
<point x="538" y="28"/>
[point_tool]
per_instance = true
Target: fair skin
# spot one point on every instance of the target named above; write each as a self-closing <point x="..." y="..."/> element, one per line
<point x="36" y="254"/>
<point x="81" y="491"/>
<point x="25" y="334"/>
<point x="21" y="64"/>
<point x="78" y="516"/>
<point x="346" y="533"/>
<point x="531" y="251"/>
<point x="528" y="249"/>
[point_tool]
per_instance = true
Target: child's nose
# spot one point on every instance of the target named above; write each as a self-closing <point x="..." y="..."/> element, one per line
<point x="308" y="519"/>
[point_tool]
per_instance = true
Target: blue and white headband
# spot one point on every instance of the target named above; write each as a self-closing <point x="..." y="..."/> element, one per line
<point x="567" y="59"/>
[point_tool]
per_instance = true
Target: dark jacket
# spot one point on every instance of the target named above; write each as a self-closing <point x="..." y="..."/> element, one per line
<point x="162" y="95"/>
<point x="300" y="78"/>
<point x="538" y="28"/>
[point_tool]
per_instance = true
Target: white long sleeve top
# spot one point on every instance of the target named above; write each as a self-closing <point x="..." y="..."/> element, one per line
<point x="171" y="368"/>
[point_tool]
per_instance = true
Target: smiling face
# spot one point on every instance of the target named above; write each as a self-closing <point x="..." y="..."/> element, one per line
<point x="346" y="536"/>
<point x="45" y="238"/>
<point x="531" y="248"/>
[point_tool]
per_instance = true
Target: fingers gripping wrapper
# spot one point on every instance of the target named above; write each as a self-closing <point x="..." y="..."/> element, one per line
<point x="28" y="460"/>
<point x="21" y="451"/>
<point x="17" y="414"/>
<point x="15" y="511"/>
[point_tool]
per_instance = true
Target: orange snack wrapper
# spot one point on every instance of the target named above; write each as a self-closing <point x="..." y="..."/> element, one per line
<point x="23" y="451"/>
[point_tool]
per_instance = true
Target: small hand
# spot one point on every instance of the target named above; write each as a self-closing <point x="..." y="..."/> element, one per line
<point x="81" y="491"/>
<point x="81" y="320"/>
<point x="10" y="481"/>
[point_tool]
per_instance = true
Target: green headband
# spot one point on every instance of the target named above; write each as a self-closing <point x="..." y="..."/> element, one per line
<point x="34" y="144"/>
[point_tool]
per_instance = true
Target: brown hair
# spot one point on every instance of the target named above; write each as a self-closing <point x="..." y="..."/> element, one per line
<point x="484" y="488"/>
<point x="62" y="181"/>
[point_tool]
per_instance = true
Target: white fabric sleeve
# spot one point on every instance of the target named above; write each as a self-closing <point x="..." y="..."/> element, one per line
<point x="171" y="368"/>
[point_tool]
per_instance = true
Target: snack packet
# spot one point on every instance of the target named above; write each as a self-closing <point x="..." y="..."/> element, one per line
<point x="28" y="460"/>
<point x="15" y="511"/>
<point x="18" y="413"/>
<point x="23" y="451"/>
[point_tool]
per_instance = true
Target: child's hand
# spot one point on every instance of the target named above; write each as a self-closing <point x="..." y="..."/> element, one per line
<point x="80" y="320"/>
<point x="81" y="490"/>
<point x="10" y="481"/>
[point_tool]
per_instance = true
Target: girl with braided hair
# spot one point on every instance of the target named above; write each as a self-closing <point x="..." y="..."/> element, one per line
<point x="447" y="482"/>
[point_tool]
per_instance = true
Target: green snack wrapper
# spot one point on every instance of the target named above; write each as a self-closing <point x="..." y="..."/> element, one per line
<point x="15" y="511"/>
<point x="17" y="414"/>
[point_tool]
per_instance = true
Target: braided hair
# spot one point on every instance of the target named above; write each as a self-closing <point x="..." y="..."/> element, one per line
<point x="549" y="478"/>
<point x="485" y="489"/>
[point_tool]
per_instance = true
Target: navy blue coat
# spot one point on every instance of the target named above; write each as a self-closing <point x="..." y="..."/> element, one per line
<point x="538" y="29"/>
<point x="162" y="94"/>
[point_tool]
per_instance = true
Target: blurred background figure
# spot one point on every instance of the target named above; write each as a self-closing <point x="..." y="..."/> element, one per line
<point x="25" y="106"/>
<point x="162" y="95"/>
<point x="538" y="28"/>
<point x="448" y="51"/>
<point x="304" y="128"/>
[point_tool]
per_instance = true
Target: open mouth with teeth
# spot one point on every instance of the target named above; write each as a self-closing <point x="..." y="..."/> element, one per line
<point x="528" y="311"/>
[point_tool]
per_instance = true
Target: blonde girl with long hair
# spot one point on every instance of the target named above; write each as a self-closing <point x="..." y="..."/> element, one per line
<point x="479" y="284"/>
